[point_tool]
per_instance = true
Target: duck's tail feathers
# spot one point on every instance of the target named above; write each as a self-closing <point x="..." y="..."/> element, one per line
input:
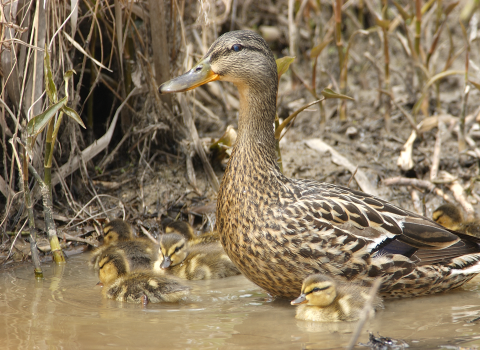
<point x="465" y="265"/>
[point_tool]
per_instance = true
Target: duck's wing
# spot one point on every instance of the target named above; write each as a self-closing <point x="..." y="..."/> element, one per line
<point x="389" y="228"/>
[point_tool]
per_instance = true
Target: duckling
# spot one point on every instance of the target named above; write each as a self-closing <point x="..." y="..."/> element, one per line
<point x="196" y="262"/>
<point x="145" y="286"/>
<point x="117" y="230"/>
<point x="451" y="217"/>
<point x="185" y="229"/>
<point x="138" y="254"/>
<point x="324" y="300"/>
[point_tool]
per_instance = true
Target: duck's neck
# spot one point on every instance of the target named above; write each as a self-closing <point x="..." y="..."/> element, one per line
<point x="255" y="145"/>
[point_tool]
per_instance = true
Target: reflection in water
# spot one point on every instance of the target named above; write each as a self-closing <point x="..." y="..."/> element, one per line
<point x="66" y="310"/>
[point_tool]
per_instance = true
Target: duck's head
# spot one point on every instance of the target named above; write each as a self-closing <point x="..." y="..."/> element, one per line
<point x="318" y="290"/>
<point x="173" y="249"/>
<point x="117" y="230"/>
<point x="241" y="57"/>
<point x="181" y="227"/>
<point x="449" y="216"/>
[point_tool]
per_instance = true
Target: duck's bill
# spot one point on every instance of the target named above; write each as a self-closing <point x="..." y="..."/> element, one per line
<point x="201" y="74"/>
<point x="300" y="300"/>
<point x="166" y="262"/>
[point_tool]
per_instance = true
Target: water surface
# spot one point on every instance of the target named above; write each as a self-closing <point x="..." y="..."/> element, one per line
<point x="67" y="311"/>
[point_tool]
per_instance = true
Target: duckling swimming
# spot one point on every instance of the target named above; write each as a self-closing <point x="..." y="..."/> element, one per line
<point x="324" y="300"/>
<point x="145" y="286"/>
<point x="138" y="254"/>
<point x="117" y="230"/>
<point x="120" y="284"/>
<point x="196" y="262"/>
<point x="186" y="230"/>
<point x="451" y="217"/>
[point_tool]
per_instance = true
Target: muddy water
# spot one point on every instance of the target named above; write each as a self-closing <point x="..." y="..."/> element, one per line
<point x="67" y="311"/>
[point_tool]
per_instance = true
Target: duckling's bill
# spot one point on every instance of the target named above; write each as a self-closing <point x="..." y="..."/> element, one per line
<point x="302" y="299"/>
<point x="201" y="74"/>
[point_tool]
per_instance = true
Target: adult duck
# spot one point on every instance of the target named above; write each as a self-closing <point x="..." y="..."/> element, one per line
<point x="279" y="230"/>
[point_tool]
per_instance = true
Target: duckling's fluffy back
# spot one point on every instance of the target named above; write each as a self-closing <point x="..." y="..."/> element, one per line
<point x="156" y="288"/>
<point x="138" y="253"/>
<point x="347" y="305"/>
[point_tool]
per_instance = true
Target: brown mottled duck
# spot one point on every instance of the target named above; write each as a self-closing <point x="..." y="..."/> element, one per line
<point x="450" y="216"/>
<point x="279" y="230"/>
<point x="323" y="299"/>
<point x="197" y="262"/>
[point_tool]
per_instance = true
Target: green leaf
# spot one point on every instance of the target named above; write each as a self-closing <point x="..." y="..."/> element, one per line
<point x="283" y="64"/>
<point x="39" y="122"/>
<point x="66" y="77"/>
<point x="74" y="115"/>
<point x="477" y="85"/>
<point x="317" y="50"/>
<point x="430" y="81"/>
<point x="382" y="23"/>
<point x="278" y="130"/>
<point x="57" y="127"/>
<point x="329" y="93"/>
<point x="403" y="13"/>
<point x="49" y="83"/>
<point x="450" y="8"/>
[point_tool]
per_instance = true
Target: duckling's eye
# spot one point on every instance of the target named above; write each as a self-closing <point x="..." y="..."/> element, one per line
<point x="237" y="47"/>
<point x="316" y="289"/>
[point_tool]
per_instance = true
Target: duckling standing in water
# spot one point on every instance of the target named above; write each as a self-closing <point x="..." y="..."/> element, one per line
<point x="117" y="231"/>
<point x="139" y="286"/>
<point x="184" y="228"/>
<point x="324" y="300"/>
<point x="451" y="217"/>
<point x="144" y="287"/>
<point x="197" y="262"/>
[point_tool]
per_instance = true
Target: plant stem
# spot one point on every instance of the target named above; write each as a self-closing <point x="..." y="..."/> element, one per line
<point x="45" y="189"/>
<point x="28" y="201"/>
<point x="341" y="57"/>
<point x="31" y="221"/>
<point x="418" y="25"/>
<point x="387" y="67"/>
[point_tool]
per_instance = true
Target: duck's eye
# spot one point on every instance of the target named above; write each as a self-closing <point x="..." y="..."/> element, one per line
<point x="237" y="47"/>
<point x="316" y="289"/>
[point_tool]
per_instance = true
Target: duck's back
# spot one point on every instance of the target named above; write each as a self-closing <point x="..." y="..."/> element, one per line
<point x="279" y="230"/>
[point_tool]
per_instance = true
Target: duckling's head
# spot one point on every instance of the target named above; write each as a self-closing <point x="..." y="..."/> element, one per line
<point x="173" y="249"/>
<point x="318" y="290"/>
<point x="180" y="227"/>
<point x="241" y="57"/>
<point x="117" y="230"/>
<point x="111" y="266"/>
<point x="449" y="216"/>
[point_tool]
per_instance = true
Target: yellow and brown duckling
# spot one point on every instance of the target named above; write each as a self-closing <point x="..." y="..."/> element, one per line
<point x="117" y="230"/>
<point x="138" y="254"/>
<point x="122" y="283"/>
<point x="451" y="216"/>
<point x="186" y="230"/>
<point x="279" y="230"/>
<point x="196" y="262"/>
<point x="119" y="240"/>
<point x="144" y="287"/>
<point x="324" y="300"/>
